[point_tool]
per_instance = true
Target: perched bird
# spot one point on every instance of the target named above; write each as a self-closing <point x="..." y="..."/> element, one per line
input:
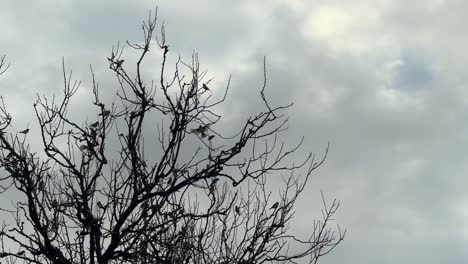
<point x="24" y="131"/>
<point x="212" y="186"/>
<point x="211" y="137"/>
<point x="41" y="185"/>
<point x="105" y="113"/>
<point x="205" y="87"/>
<point x="99" y="204"/>
<point x="84" y="147"/>
<point x="275" y="205"/>
<point x="84" y="232"/>
<point x="119" y="63"/>
<point x="201" y="130"/>
<point x="237" y="210"/>
<point x="95" y="124"/>
<point x="21" y="253"/>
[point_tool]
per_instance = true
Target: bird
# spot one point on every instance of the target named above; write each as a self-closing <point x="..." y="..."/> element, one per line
<point x="211" y="137"/>
<point x="41" y="185"/>
<point x="205" y="87"/>
<point x="83" y="232"/>
<point x="84" y="147"/>
<point x="212" y="186"/>
<point x="275" y="205"/>
<point x="99" y="204"/>
<point x="21" y="253"/>
<point x="105" y="113"/>
<point x="237" y="210"/>
<point x="95" y="124"/>
<point x="24" y="131"/>
<point x="201" y="130"/>
<point x="118" y="64"/>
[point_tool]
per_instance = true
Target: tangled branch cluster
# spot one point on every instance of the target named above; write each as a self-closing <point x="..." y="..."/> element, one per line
<point x="82" y="204"/>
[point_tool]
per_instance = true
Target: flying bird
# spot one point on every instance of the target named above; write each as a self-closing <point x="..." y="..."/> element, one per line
<point x="24" y="131"/>
<point x="275" y="205"/>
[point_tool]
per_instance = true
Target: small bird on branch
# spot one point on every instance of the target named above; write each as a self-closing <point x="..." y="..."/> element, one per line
<point x="105" y="113"/>
<point x="24" y="131"/>
<point x="201" y="130"/>
<point x="119" y="63"/>
<point x="275" y="205"/>
<point x="84" y="147"/>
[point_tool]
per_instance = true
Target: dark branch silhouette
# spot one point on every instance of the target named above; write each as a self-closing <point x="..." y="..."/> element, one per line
<point x="202" y="197"/>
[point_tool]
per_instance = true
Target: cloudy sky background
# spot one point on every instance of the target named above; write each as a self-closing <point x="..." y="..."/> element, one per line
<point x="384" y="81"/>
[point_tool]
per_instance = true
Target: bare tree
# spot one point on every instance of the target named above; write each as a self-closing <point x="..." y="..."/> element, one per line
<point x="202" y="198"/>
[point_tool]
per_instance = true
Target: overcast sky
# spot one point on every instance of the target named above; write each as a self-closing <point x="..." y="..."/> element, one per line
<point x="385" y="81"/>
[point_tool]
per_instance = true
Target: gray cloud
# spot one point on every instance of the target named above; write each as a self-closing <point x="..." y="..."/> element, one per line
<point x="384" y="81"/>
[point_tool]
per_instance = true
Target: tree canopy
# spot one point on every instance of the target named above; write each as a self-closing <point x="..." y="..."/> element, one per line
<point x="202" y="196"/>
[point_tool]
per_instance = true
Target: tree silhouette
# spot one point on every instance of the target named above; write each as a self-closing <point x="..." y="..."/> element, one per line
<point x="202" y="197"/>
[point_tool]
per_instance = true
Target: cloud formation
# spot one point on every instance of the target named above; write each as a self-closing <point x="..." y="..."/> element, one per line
<point x="384" y="81"/>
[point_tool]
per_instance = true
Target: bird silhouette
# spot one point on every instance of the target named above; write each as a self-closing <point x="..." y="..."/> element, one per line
<point x="24" y="131"/>
<point x="84" y="147"/>
<point x="119" y="63"/>
<point x="237" y="210"/>
<point x="211" y="137"/>
<point x="93" y="133"/>
<point x="95" y="124"/>
<point x="275" y="205"/>
<point x="99" y="204"/>
<point x="201" y="130"/>
<point x="205" y="87"/>
<point x="105" y="113"/>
